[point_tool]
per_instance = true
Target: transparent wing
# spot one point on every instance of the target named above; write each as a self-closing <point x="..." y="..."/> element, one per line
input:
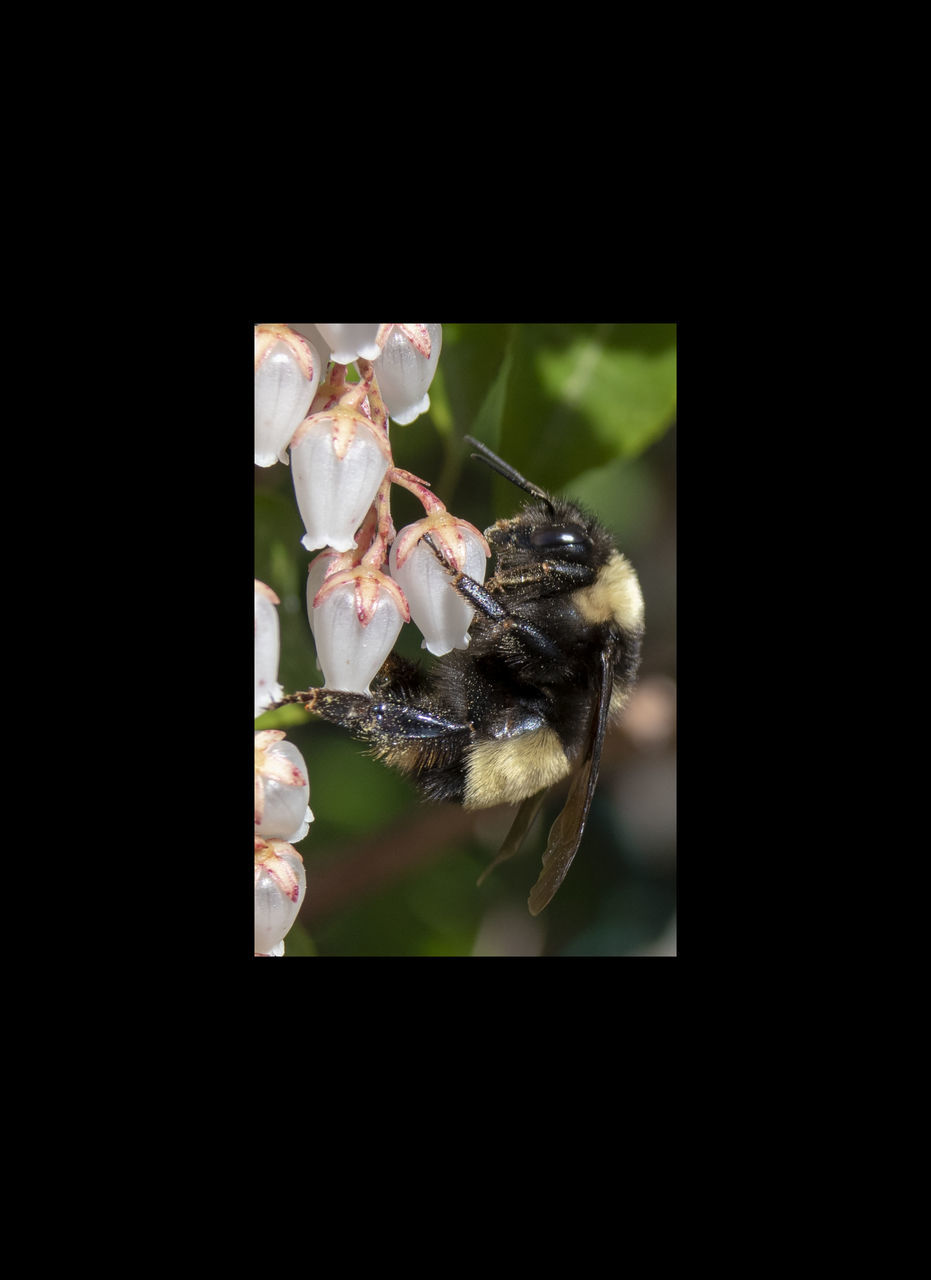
<point x="566" y="832"/>
<point x="519" y="827"/>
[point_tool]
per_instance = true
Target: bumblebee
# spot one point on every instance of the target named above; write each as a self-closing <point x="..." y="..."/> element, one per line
<point x="553" y="655"/>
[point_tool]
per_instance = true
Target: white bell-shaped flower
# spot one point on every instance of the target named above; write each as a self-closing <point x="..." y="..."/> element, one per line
<point x="437" y="609"/>
<point x="281" y="789"/>
<point x="348" y="341"/>
<point x="283" y="394"/>
<point x="335" y="489"/>
<point x="355" y="627"/>
<point x="267" y="647"/>
<point x="280" y="886"/>
<point x="404" y="374"/>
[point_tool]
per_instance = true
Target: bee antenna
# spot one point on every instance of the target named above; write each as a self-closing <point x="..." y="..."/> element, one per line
<point x="503" y="469"/>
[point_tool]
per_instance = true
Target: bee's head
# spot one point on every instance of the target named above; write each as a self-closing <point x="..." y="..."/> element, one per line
<point x="549" y="529"/>
<point x="565" y="535"/>
<point x="553" y="529"/>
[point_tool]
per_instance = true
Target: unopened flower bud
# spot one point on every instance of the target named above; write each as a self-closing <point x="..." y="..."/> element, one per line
<point x="404" y="373"/>
<point x="437" y="609"/>
<point x="281" y="788"/>
<point x="360" y="613"/>
<point x="338" y="461"/>
<point x="280" y="885"/>
<point x="286" y="376"/>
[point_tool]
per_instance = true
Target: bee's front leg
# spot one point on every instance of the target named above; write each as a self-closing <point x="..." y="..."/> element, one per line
<point x="426" y="744"/>
<point x="528" y="636"/>
<point x="376" y="719"/>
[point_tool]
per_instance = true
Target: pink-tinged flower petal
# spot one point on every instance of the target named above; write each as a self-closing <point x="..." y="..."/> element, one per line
<point x="356" y="623"/>
<point x="404" y="375"/>
<point x="286" y="379"/>
<point x="281" y="788"/>
<point x="338" y="462"/>
<point x="437" y="609"/>
<point x="280" y="886"/>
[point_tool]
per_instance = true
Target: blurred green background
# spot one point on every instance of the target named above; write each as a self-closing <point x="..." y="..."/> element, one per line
<point x="586" y="410"/>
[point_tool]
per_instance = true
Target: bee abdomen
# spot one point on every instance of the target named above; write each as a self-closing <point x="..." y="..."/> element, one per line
<point x="508" y="771"/>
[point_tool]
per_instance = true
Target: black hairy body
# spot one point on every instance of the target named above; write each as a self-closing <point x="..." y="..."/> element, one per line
<point x="553" y="653"/>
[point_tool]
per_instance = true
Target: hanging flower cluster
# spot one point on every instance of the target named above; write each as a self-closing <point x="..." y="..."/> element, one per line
<point x="368" y="579"/>
<point x="282" y="814"/>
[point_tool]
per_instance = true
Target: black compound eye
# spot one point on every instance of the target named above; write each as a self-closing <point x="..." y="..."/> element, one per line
<point x="567" y="538"/>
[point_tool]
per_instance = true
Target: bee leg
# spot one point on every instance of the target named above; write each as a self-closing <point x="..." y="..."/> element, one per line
<point x="533" y="639"/>
<point x="378" y="719"/>
<point x="422" y="742"/>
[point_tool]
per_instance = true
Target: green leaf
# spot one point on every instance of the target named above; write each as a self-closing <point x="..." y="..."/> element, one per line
<point x="622" y="378"/>
<point x="583" y="395"/>
<point x="488" y="421"/>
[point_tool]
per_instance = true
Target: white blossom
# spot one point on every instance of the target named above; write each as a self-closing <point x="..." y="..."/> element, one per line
<point x="404" y="374"/>
<point x="335" y="485"/>
<point x="355" y="627"/>
<point x="349" y="341"/>
<point x="281" y="788"/>
<point x="280" y="885"/>
<point x="437" y="608"/>
<point x="267" y="647"/>
<point x="283" y="394"/>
